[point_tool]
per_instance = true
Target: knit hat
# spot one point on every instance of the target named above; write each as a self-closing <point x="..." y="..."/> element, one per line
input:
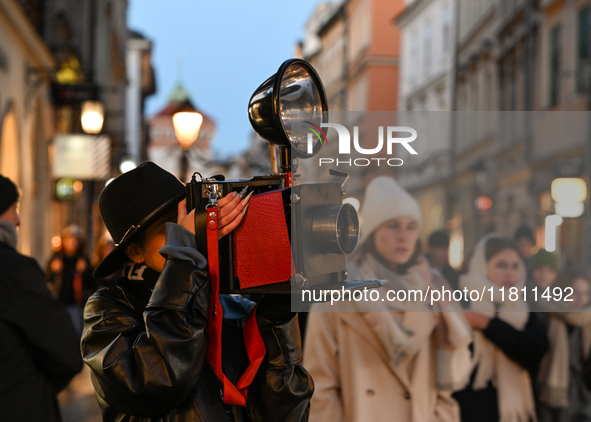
<point x="385" y="200"/>
<point x="8" y="193"/>
<point x="543" y="257"/>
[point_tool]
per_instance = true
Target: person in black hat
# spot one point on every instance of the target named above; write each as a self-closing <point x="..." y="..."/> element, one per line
<point x="39" y="352"/>
<point x="145" y="339"/>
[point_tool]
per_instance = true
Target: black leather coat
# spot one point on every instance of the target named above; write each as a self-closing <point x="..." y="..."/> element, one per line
<point x="147" y="351"/>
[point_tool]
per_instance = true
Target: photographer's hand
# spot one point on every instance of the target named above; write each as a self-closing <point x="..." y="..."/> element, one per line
<point x="232" y="210"/>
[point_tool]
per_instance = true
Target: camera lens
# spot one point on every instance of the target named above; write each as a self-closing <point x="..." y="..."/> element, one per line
<point x="347" y="228"/>
<point x="335" y="228"/>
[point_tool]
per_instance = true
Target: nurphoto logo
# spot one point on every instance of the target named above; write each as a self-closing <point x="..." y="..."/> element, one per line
<point x="345" y="144"/>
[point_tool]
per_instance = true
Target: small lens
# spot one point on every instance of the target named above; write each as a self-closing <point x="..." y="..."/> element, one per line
<point x="335" y="228"/>
<point x="347" y="229"/>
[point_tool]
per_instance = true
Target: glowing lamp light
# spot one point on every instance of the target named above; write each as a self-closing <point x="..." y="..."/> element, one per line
<point x="569" y="190"/>
<point x="456" y="249"/>
<point x="352" y="201"/>
<point x="127" y="165"/>
<point x="483" y="203"/>
<point x="68" y="189"/>
<point x="186" y="127"/>
<point x="56" y="243"/>
<point x="93" y="117"/>
<point x="555" y="220"/>
<point x="77" y="186"/>
<point x="552" y="222"/>
<point x="569" y="209"/>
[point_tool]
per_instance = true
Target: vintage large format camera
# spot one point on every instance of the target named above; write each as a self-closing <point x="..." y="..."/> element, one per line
<point x="293" y="236"/>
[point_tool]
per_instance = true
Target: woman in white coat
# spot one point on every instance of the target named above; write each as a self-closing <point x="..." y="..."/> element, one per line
<point x="387" y="360"/>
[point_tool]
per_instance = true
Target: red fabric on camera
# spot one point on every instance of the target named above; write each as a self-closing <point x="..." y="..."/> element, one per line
<point x="255" y="348"/>
<point x="262" y="250"/>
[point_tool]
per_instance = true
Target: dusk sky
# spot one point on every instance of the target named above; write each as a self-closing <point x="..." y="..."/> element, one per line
<point x="227" y="49"/>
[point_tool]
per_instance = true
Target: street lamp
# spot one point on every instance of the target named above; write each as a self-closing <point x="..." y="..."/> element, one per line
<point x="187" y="123"/>
<point x="569" y="194"/>
<point x="126" y="165"/>
<point x="93" y="116"/>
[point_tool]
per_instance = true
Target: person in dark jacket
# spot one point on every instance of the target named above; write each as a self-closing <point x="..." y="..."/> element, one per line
<point x="145" y="339"/>
<point x="525" y="243"/>
<point x="543" y="268"/>
<point x="438" y="256"/>
<point x="510" y="340"/>
<point x="39" y="351"/>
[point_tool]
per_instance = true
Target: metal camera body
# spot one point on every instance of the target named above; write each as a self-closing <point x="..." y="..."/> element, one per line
<point x="312" y="228"/>
<point x="313" y="213"/>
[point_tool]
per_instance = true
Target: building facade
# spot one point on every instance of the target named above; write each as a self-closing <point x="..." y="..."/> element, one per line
<point x="519" y="73"/>
<point x="27" y="122"/>
<point x="425" y="98"/>
<point x="355" y="49"/>
<point x="54" y="55"/>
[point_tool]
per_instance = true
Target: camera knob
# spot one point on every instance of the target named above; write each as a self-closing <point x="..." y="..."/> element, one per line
<point x="298" y="280"/>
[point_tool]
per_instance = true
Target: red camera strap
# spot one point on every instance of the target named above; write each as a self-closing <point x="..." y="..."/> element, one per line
<point x="233" y="394"/>
<point x="78" y="297"/>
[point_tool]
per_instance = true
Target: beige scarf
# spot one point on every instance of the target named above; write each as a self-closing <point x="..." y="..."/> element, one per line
<point x="554" y="368"/>
<point x="513" y="384"/>
<point x="403" y="337"/>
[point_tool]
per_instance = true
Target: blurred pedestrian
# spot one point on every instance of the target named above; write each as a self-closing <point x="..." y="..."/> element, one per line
<point x="69" y="274"/>
<point x="509" y="340"/>
<point x="563" y="394"/>
<point x="466" y="264"/>
<point x="544" y="271"/>
<point x="388" y="360"/>
<point x="39" y="351"/>
<point x="438" y="256"/>
<point x="147" y="338"/>
<point x="104" y="246"/>
<point x="525" y="242"/>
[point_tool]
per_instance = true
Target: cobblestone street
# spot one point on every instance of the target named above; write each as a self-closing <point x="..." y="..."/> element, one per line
<point x="78" y="402"/>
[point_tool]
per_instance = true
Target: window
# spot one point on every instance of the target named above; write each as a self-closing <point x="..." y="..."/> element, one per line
<point x="360" y="30"/>
<point x="507" y="84"/>
<point x="583" y="50"/>
<point x="555" y="65"/>
<point x="414" y="57"/>
<point x="474" y="94"/>
<point x="447" y="18"/>
<point x="427" y="48"/>
<point x="357" y="98"/>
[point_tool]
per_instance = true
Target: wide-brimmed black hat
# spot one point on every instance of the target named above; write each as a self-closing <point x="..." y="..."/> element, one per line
<point x="130" y="204"/>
